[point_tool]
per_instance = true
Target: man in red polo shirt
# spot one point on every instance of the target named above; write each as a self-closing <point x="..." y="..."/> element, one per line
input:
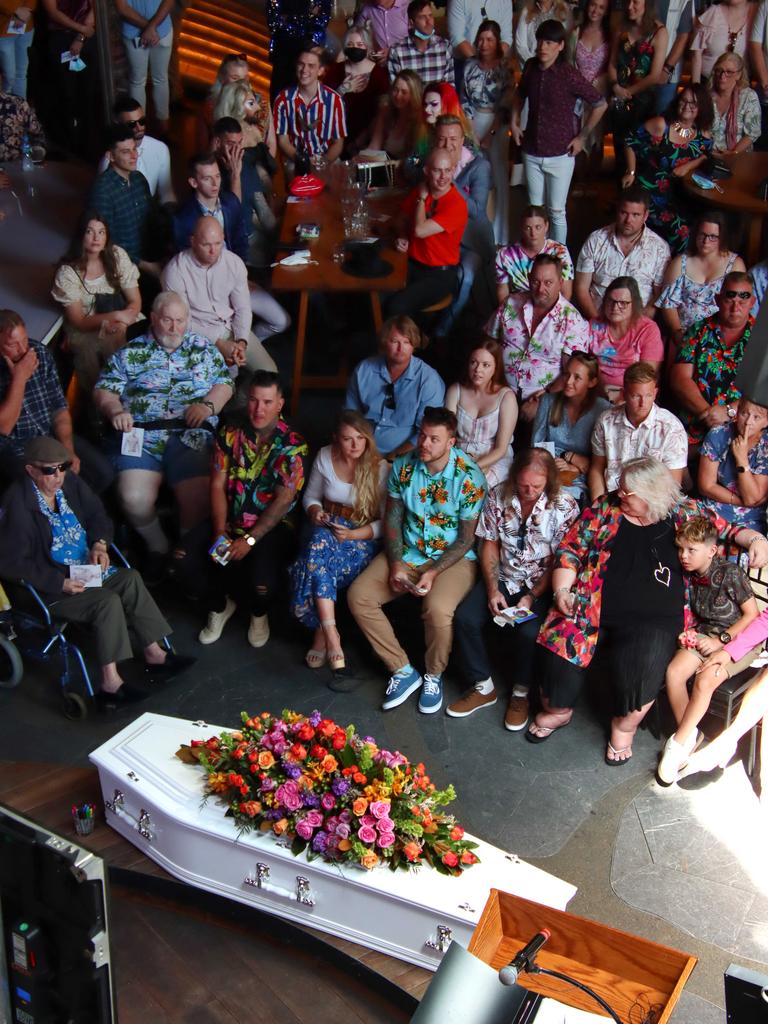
<point x="434" y="215"/>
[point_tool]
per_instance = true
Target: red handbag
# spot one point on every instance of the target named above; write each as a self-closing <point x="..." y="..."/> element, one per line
<point x="306" y="185"/>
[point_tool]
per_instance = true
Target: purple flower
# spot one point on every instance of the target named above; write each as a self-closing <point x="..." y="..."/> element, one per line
<point x="293" y="771"/>
<point x="340" y="786"/>
<point x="366" y="834"/>
<point x="314" y="818"/>
<point x="288" y="796"/>
<point x="267" y="785"/>
<point x="342" y="830"/>
<point x="385" y="839"/>
<point x="315" y="718"/>
<point x="327" y="801"/>
<point x="311" y="799"/>
<point x="320" y="842"/>
<point x="303" y="829"/>
<point x="345" y="816"/>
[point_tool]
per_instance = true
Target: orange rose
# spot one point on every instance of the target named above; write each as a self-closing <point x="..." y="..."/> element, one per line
<point x="329" y="763"/>
<point x="360" y="806"/>
<point x="468" y="857"/>
<point x="280" y="826"/>
<point x="344" y="845"/>
<point x="369" y="860"/>
<point x="266" y="759"/>
<point x="457" y="833"/>
<point x="412" y="851"/>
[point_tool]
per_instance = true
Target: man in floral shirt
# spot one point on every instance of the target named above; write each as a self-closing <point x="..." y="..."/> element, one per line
<point x="435" y="495"/>
<point x="256" y="478"/>
<point x="16" y="119"/>
<point x="537" y="331"/>
<point x="703" y="377"/>
<point x="167" y="374"/>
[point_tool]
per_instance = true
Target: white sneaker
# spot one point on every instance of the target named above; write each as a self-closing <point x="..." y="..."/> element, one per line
<point x="258" y="630"/>
<point x="214" y="627"/>
<point x="674" y="756"/>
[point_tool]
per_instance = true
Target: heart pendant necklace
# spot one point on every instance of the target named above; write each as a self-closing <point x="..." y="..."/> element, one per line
<point x="662" y="575"/>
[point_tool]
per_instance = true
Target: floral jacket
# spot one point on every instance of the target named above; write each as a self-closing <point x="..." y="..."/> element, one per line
<point x="587" y="549"/>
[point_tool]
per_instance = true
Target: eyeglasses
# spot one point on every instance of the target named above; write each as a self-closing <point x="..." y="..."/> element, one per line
<point x="705" y="236"/>
<point x="132" y="124"/>
<point x="731" y="294"/>
<point x="690" y="104"/>
<point x="619" y="303"/>
<point x="53" y="470"/>
<point x="625" y="494"/>
<point x="389" y="396"/>
<point x="725" y="72"/>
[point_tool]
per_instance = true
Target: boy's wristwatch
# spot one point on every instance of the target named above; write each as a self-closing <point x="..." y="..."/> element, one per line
<point x="725" y="637"/>
<point x="250" y="540"/>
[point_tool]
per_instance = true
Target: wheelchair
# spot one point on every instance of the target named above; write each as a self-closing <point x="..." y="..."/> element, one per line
<point x="29" y="629"/>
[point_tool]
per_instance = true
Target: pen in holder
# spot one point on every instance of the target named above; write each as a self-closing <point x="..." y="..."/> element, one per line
<point x="83" y="818"/>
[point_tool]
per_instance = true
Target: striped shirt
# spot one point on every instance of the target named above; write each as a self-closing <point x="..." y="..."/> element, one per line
<point x="310" y="127"/>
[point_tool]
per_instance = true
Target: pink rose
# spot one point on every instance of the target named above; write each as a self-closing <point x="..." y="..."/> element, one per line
<point x="385" y="839"/>
<point x="366" y="834"/>
<point x="380" y="808"/>
<point x="304" y="829"/>
<point x="328" y="801"/>
<point x="385" y="825"/>
<point x="369" y="820"/>
<point x="314" y="818"/>
<point x="288" y="796"/>
<point x="345" y="816"/>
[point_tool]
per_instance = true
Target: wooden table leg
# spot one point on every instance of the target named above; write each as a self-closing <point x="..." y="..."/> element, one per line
<point x="376" y="311"/>
<point x="298" y="358"/>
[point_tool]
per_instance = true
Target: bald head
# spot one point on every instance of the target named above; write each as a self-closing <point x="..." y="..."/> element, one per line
<point x="207" y="241"/>
<point x="438" y="172"/>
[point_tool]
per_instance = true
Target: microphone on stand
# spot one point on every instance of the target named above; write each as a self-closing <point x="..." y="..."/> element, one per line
<point x="522" y="961"/>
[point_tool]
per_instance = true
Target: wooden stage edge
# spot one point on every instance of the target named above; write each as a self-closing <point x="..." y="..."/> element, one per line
<point x="45" y="793"/>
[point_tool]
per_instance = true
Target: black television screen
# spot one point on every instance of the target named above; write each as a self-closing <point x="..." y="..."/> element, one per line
<point x="55" y="966"/>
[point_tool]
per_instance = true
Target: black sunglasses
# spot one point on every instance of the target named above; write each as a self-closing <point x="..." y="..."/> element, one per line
<point x="132" y="124"/>
<point x="389" y="396"/>
<point x="520" y="539"/>
<point x="731" y="294"/>
<point x="53" y="470"/>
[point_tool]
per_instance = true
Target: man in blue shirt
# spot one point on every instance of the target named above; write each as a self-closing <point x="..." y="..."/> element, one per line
<point x="435" y="495"/>
<point x="393" y="389"/>
<point x="210" y="200"/>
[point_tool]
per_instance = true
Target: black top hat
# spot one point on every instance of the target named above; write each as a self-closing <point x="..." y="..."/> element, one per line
<point x="363" y="259"/>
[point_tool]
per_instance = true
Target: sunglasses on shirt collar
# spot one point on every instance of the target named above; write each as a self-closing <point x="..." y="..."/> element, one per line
<point x="53" y="470"/>
<point x="389" y="396"/>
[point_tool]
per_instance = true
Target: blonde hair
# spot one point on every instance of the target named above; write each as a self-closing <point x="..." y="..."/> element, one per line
<point x="652" y="481"/>
<point x="742" y="82"/>
<point x="231" y="102"/>
<point x="367" y="468"/>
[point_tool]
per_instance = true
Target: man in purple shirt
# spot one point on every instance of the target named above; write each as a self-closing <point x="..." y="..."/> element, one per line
<point x="552" y="86"/>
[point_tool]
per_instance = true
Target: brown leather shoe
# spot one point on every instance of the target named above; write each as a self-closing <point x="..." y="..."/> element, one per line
<point x="517" y="714"/>
<point x="470" y="702"/>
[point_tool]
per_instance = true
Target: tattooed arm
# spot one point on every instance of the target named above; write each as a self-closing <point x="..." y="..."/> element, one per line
<point x="490" y="552"/>
<point x="399" y="572"/>
<point x="452" y="554"/>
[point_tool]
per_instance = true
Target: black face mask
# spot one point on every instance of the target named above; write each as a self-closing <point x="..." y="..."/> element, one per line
<point x="355" y="54"/>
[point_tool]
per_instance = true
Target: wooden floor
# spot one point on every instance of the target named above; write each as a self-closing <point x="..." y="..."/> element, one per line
<point x="184" y="956"/>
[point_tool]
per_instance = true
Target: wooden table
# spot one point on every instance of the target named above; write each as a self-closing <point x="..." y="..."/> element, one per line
<point x="34" y="234"/>
<point x="741" y="195"/>
<point x="328" y="276"/>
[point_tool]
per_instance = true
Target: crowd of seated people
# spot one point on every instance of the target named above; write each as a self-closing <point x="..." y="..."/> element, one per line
<point x="574" y="465"/>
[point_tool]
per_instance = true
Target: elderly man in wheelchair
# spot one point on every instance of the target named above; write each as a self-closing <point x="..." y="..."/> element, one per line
<point x="55" y="535"/>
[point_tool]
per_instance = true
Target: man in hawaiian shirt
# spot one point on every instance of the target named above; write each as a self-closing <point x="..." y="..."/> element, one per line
<point x="537" y="331"/>
<point x="636" y="428"/>
<point x="256" y="478"/>
<point x="167" y="374"/>
<point x="435" y="495"/>
<point x="521" y="526"/>
<point x="703" y="377"/>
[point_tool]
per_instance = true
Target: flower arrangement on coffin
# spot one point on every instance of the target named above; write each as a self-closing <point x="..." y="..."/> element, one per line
<point x="332" y="793"/>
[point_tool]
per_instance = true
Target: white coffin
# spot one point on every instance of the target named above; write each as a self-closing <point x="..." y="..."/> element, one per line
<point x="155" y="801"/>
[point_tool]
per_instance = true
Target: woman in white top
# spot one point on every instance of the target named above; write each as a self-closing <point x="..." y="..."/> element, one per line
<point x="343" y="500"/>
<point x="98" y="286"/>
<point x="532" y="15"/>
<point x="486" y="411"/>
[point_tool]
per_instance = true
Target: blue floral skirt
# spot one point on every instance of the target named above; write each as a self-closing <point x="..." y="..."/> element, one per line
<point x="325" y="567"/>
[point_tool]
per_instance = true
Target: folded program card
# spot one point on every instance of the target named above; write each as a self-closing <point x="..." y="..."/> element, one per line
<point x="89" y="575"/>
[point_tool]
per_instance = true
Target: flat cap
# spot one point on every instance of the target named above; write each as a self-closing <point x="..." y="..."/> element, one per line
<point x="46" y="449"/>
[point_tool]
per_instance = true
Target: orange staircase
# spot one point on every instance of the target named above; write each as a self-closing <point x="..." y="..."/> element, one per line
<point x="211" y="30"/>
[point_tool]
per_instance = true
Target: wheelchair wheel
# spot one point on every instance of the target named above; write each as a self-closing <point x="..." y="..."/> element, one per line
<point x="74" y="706"/>
<point x="11" y="665"/>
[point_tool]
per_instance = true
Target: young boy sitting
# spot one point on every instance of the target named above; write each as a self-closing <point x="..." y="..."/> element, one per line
<point x="723" y="603"/>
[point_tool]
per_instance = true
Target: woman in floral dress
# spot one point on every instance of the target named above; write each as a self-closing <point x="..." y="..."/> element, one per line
<point x="343" y="502"/>
<point x="637" y="57"/>
<point x="665" y="148"/>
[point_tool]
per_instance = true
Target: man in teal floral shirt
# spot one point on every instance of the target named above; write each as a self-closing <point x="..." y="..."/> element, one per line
<point x="167" y="374"/>
<point x="435" y="495"/>
<point x="703" y="379"/>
